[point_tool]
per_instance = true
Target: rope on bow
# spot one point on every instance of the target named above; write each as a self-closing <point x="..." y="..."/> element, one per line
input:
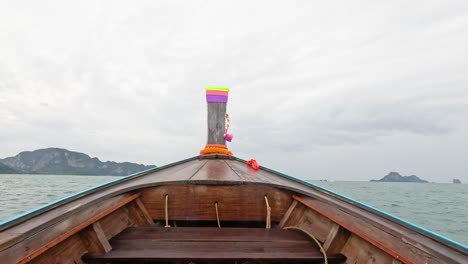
<point x="166" y="211"/>
<point x="268" y="218"/>
<point x="217" y="214"/>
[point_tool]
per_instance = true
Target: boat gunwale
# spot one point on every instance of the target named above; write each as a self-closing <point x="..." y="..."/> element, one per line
<point x="18" y="219"/>
<point x="371" y="209"/>
<point x="50" y="206"/>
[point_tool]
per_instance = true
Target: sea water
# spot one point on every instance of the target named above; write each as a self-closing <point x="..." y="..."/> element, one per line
<point x="442" y="208"/>
<point x="439" y="207"/>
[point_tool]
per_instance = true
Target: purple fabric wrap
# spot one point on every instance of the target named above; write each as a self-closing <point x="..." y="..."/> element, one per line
<point x="216" y="99"/>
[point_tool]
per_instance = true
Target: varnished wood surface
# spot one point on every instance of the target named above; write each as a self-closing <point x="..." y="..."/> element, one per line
<point x="216" y="122"/>
<point x="92" y="239"/>
<point x="116" y="222"/>
<point x="137" y="216"/>
<point x="95" y="239"/>
<point x="144" y="212"/>
<point x="210" y="233"/>
<point x="67" y="252"/>
<point x="212" y="244"/>
<point x="358" y="250"/>
<point x="288" y="213"/>
<point x="336" y="239"/>
<point x="216" y="171"/>
<point x="244" y="202"/>
<point x="72" y="231"/>
<point x="379" y="235"/>
<point x="29" y="244"/>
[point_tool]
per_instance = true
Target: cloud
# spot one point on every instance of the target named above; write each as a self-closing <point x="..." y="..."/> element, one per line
<point x="124" y="81"/>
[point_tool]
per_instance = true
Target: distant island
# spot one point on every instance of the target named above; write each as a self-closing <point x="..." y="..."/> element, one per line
<point x="456" y="181"/>
<point x="62" y="161"/>
<point x="396" y="177"/>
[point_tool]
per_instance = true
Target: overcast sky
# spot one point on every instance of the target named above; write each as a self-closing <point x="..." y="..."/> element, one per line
<point x="338" y="90"/>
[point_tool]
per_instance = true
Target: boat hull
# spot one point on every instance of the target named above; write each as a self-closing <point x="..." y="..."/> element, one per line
<point x="217" y="191"/>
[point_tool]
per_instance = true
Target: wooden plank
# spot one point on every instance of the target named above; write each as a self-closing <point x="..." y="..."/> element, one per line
<point x="182" y="173"/>
<point x="358" y="250"/>
<point x="144" y="212"/>
<point x="316" y="223"/>
<point x="216" y="156"/>
<point x="331" y="236"/>
<point x="287" y="214"/>
<point x="95" y="239"/>
<point x="247" y="174"/>
<point x="382" y="240"/>
<point x="216" y="119"/>
<point x="136" y="217"/>
<point x="68" y="251"/>
<point x="75" y="229"/>
<point x="336" y="239"/>
<point x="212" y="255"/>
<point x="208" y="156"/>
<point x="6" y="237"/>
<point x="235" y="202"/>
<point x="115" y="222"/>
<point x="215" y="170"/>
<point x="210" y="234"/>
<point x="296" y="215"/>
<point x="212" y="244"/>
<point x="309" y="220"/>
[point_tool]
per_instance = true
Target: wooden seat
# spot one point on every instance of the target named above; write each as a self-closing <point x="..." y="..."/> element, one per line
<point x="208" y="245"/>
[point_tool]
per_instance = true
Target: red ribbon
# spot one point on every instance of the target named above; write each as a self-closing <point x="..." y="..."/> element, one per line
<point x="254" y="164"/>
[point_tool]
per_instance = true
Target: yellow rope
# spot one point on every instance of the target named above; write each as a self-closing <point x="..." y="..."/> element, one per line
<point x="268" y="219"/>
<point x="167" y="212"/>
<point x="325" y="258"/>
<point x="217" y="215"/>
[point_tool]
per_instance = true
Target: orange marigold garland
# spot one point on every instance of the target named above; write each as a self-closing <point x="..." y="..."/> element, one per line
<point x="215" y="150"/>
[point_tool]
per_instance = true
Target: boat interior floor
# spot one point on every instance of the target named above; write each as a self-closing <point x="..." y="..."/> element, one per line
<point x="211" y="245"/>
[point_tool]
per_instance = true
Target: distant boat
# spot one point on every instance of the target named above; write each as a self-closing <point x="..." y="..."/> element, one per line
<point x="217" y="208"/>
